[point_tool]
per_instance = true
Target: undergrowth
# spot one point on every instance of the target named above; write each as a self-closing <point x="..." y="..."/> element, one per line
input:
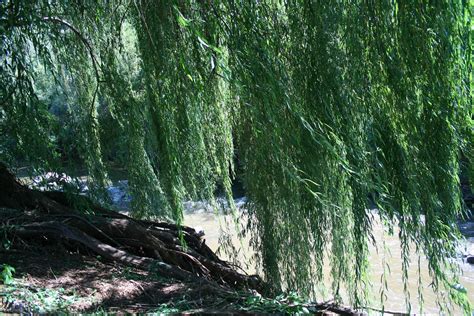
<point x="26" y="299"/>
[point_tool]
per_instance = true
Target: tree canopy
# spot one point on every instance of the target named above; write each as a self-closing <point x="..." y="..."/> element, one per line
<point x="320" y="107"/>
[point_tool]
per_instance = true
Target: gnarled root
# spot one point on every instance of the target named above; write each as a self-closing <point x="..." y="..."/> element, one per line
<point x="146" y="245"/>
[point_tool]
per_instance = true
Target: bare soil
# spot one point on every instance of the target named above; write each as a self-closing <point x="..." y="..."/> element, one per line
<point x="99" y="285"/>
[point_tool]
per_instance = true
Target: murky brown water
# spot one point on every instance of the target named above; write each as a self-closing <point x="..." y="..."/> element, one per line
<point x="395" y="295"/>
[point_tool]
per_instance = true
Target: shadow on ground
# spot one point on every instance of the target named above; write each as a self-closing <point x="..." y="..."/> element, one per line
<point x="99" y="286"/>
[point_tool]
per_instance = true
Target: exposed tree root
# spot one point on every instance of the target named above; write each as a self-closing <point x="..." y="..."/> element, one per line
<point x="142" y="244"/>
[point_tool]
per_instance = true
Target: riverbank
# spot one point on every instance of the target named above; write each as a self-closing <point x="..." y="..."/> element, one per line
<point x="64" y="253"/>
<point x="49" y="280"/>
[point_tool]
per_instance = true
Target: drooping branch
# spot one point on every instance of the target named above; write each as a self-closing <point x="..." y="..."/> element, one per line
<point x="83" y="39"/>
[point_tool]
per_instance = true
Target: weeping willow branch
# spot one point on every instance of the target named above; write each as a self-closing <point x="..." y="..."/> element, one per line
<point x="83" y="39"/>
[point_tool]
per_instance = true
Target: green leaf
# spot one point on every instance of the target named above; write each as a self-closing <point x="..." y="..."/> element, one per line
<point x="182" y="21"/>
<point x="7" y="274"/>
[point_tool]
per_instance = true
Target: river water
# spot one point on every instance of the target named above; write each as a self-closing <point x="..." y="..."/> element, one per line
<point x="199" y="215"/>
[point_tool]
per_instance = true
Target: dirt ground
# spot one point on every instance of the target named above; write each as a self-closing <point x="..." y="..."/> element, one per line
<point x="73" y="282"/>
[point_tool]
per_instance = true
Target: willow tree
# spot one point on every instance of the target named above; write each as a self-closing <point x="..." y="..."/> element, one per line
<point x="328" y="106"/>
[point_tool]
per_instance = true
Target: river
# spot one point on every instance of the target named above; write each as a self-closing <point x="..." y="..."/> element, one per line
<point x="199" y="216"/>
